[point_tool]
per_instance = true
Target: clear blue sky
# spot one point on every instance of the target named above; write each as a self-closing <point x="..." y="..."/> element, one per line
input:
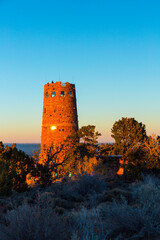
<point x="109" y="49"/>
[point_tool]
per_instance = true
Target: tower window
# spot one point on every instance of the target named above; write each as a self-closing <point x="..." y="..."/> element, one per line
<point x="70" y="93"/>
<point x="47" y="94"/>
<point x="45" y="110"/>
<point x="53" y="94"/>
<point x="63" y="130"/>
<point x="62" y="93"/>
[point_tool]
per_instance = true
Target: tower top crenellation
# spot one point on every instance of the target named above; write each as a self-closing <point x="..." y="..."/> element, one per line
<point x="62" y="84"/>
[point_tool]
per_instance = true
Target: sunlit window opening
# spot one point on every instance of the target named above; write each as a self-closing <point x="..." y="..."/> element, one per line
<point x="46" y="94"/>
<point x="62" y="93"/>
<point x="53" y="94"/>
<point x="70" y="94"/>
<point x="53" y="128"/>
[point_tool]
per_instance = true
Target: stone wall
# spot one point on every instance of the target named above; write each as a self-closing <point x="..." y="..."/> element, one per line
<point x="59" y="113"/>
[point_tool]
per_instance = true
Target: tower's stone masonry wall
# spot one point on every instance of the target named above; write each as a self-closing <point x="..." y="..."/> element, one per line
<point x="59" y="113"/>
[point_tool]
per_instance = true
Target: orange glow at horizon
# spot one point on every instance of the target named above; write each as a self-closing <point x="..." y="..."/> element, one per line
<point x="30" y="131"/>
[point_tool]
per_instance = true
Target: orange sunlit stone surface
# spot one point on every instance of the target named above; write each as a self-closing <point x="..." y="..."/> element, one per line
<point x="59" y="113"/>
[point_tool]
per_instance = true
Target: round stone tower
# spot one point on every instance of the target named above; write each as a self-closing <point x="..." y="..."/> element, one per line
<point x="59" y="113"/>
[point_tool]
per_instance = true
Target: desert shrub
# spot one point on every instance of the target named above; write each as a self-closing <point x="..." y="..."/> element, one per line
<point x="87" y="165"/>
<point x="82" y="185"/>
<point x="106" y="149"/>
<point x="132" y="221"/>
<point x="80" y="147"/>
<point x="18" y="165"/>
<point x="107" y="166"/>
<point x="143" y="158"/>
<point x="116" y="194"/>
<point x="6" y="182"/>
<point x="86" y="184"/>
<point x="62" y="203"/>
<point x="69" y="192"/>
<point x="43" y="174"/>
<point x="134" y="166"/>
<point x="139" y="220"/>
<point x="32" y="223"/>
<point x="146" y="191"/>
<point x="87" y="225"/>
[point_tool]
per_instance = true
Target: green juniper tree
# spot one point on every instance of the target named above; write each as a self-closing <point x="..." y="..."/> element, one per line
<point x="14" y="167"/>
<point x="82" y="144"/>
<point x="127" y="132"/>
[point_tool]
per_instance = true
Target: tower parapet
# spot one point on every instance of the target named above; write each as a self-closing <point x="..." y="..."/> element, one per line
<point x="59" y="113"/>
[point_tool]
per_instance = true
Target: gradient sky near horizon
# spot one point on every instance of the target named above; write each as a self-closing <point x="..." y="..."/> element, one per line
<point x="109" y="49"/>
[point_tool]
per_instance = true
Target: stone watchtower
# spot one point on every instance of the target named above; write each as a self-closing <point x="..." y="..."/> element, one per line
<point x="59" y="113"/>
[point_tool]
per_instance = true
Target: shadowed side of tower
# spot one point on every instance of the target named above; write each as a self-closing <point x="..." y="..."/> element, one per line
<point x="59" y="114"/>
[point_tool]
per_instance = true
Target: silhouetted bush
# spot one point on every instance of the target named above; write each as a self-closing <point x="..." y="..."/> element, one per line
<point x="6" y="182"/>
<point x="32" y="223"/>
<point x="87" y="224"/>
<point x="143" y="158"/>
<point x="139" y="220"/>
<point x="146" y="191"/>
<point x="83" y="185"/>
<point x="90" y="183"/>
<point x="14" y="167"/>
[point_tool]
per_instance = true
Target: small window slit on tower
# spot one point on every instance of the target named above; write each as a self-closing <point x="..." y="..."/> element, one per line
<point x="62" y="94"/>
<point x="53" y="94"/>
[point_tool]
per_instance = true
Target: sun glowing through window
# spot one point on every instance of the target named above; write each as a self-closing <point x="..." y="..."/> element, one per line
<point x="53" y="128"/>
